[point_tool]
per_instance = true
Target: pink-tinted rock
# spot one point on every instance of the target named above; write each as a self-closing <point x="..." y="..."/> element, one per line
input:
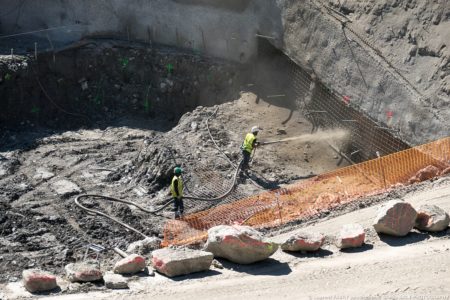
<point x="350" y="236"/>
<point x="396" y="218"/>
<point x="38" y="281"/>
<point x="239" y="244"/>
<point x="129" y="265"/>
<point x="432" y="218"/>
<point x="303" y="241"/>
<point x="445" y="171"/>
<point x="425" y="174"/>
<point x="83" y="272"/>
<point x="175" y="262"/>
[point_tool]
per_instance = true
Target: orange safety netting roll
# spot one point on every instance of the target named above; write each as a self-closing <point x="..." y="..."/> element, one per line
<point x="308" y="198"/>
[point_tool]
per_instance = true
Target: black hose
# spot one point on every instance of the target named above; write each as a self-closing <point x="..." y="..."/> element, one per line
<point x="167" y="200"/>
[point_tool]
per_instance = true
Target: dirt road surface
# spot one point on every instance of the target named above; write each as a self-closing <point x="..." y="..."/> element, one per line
<point x="413" y="267"/>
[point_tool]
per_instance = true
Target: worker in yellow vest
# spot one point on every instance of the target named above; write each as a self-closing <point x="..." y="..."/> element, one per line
<point x="176" y="189"/>
<point x="249" y="144"/>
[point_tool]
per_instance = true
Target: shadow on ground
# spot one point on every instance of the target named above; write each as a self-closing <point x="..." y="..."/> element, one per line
<point x="411" y="238"/>
<point x="198" y="275"/>
<point x="269" y="266"/>
<point x="363" y="248"/>
<point x="316" y="254"/>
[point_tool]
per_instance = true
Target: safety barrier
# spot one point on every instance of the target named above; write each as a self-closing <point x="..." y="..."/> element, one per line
<point x="306" y="199"/>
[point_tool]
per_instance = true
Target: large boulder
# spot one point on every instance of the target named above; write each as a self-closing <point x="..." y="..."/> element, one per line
<point x="129" y="265"/>
<point x="350" y="236"/>
<point x="144" y="246"/>
<point x="83" y="272"/>
<point x="396" y="218"/>
<point x="239" y="244"/>
<point x="303" y="241"/>
<point x="115" y="281"/>
<point x="432" y="218"/>
<point x="182" y="261"/>
<point x="38" y="281"/>
<point x="425" y="174"/>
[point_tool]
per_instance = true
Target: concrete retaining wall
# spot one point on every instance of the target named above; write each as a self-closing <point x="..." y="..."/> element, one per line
<point x="220" y="28"/>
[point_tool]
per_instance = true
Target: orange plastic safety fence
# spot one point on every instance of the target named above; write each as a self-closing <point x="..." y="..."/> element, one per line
<point x="308" y="198"/>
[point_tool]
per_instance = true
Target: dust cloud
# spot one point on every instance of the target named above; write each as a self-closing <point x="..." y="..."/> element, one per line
<point x="335" y="135"/>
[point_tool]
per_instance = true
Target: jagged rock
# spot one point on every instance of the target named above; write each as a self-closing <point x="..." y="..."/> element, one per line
<point x="175" y="262"/>
<point x="350" y="236"/>
<point x="144" y="246"/>
<point x="83" y="272"/>
<point x="432" y="218"/>
<point x="43" y="174"/>
<point x="129" y="265"/>
<point x="425" y="174"/>
<point x="396" y="218"/>
<point x="66" y="188"/>
<point x="35" y="280"/>
<point x="217" y="264"/>
<point x="239" y="244"/>
<point x="445" y="171"/>
<point x="149" y="271"/>
<point x="8" y="166"/>
<point x="303" y="241"/>
<point x="115" y="281"/>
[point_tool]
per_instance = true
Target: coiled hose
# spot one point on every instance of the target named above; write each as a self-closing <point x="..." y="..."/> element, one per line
<point x="167" y="201"/>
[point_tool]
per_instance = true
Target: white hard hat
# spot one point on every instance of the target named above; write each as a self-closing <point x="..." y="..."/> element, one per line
<point x="255" y="129"/>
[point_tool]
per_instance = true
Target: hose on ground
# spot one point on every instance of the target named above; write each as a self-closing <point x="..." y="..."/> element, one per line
<point x="167" y="201"/>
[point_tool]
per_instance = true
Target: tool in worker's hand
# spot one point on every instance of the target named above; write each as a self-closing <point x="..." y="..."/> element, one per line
<point x="305" y="137"/>
<point x="273" y="142"/>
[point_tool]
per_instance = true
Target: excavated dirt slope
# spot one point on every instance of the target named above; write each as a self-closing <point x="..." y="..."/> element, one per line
<point x="85" y="132"/>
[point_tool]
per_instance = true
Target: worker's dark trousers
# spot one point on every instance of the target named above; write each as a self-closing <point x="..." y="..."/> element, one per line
<point x="179" y="206"/>
<point x="246" y="160"/>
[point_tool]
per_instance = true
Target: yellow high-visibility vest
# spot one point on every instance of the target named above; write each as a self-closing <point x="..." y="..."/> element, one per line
<point x="179" y="186"/>
<point x="250" y="138"/>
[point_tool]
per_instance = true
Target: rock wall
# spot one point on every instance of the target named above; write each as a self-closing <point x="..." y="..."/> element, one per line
<point x="390" y="58"/>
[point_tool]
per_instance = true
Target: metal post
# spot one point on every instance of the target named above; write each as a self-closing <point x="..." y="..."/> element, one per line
<point x="279" y="208"/>
<point x="149" y="35"/>
<point x="35" y="50"/>
<point x="345" y="190"/>
<point x="382" y="170"/>
<point x="53" y="48"/>
<point x="204" y="40"/>
<point x="12" y="53"/>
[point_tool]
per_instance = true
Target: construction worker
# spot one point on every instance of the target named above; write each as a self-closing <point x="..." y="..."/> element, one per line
<point x="176" y="189"/>
<point x="249" y="144"/>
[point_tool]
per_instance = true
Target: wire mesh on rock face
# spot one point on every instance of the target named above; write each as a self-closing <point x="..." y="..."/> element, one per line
<point x="210" y="184"/>
<point x="328" y="109"/>
<point x="319" y="194"/>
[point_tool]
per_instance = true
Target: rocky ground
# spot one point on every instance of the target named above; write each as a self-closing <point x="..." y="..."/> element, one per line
<point x="99" y="124"/>
<point x="43" y="168"/>
<point x="385" y="267"/>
